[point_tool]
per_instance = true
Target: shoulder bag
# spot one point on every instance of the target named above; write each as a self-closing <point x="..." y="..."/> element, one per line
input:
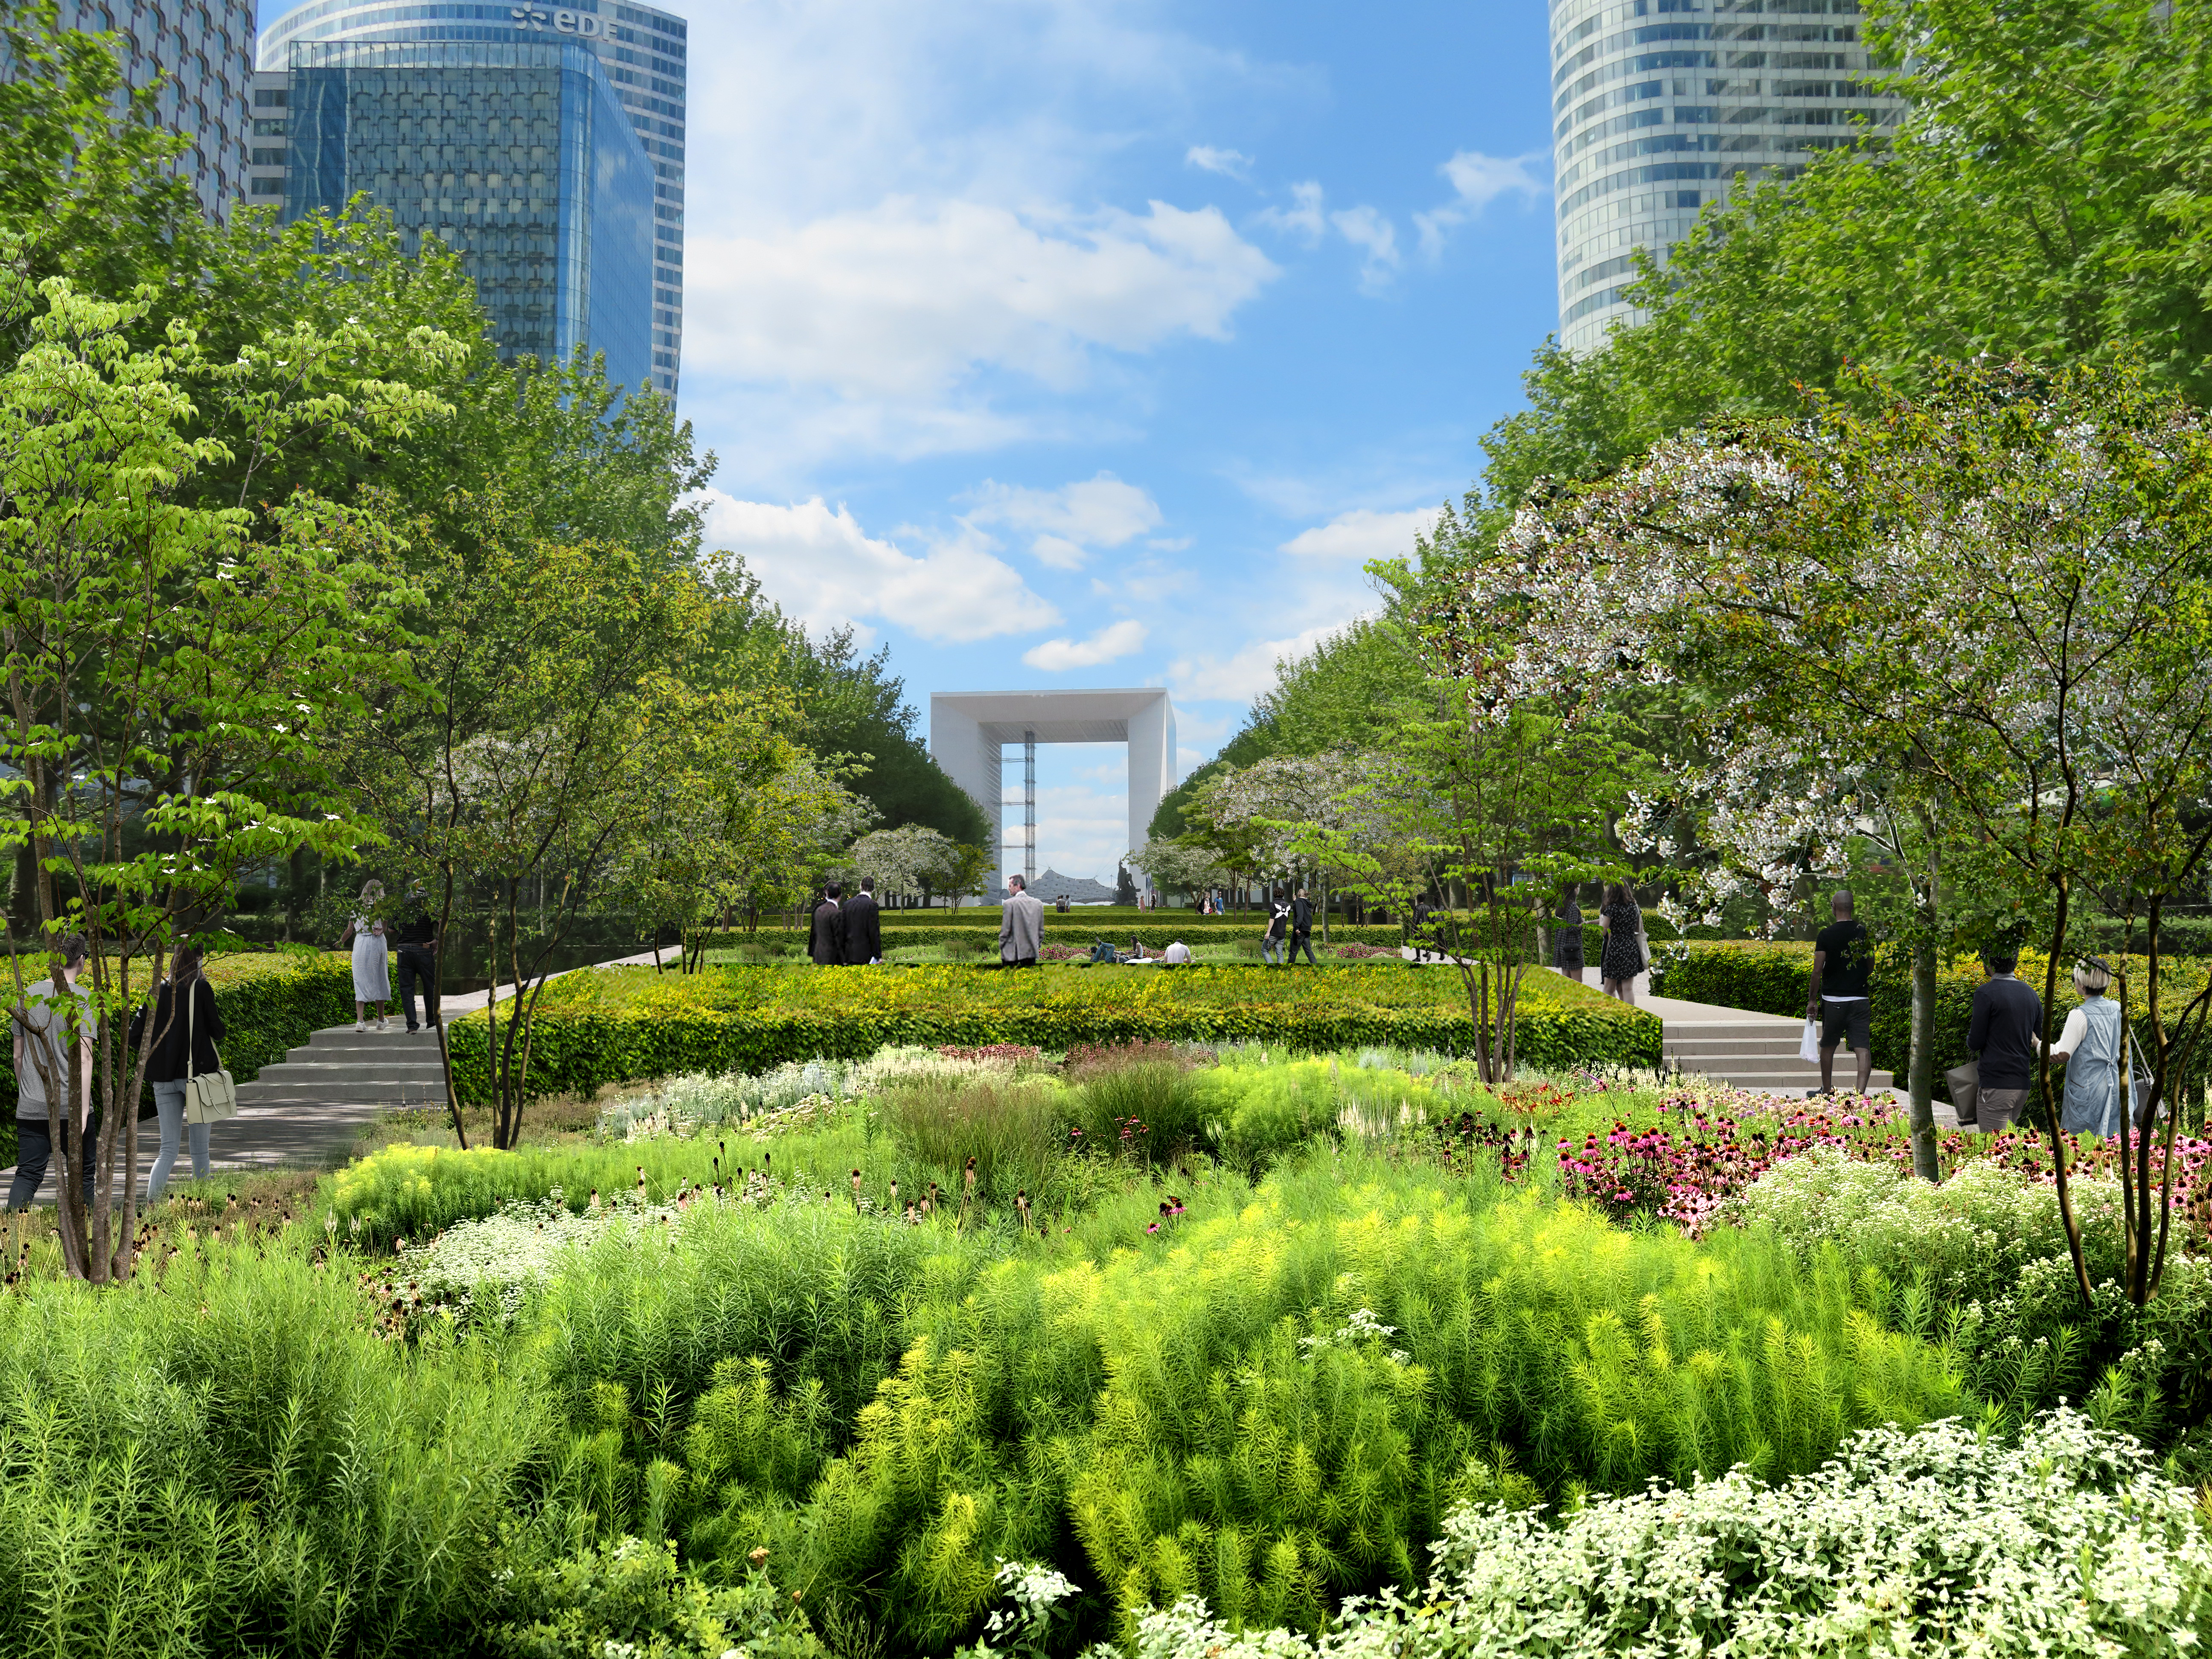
<point x="209" y="1097"/>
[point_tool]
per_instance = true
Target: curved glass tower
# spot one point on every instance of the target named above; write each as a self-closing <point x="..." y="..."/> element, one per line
<point x="544" y="144"/>
<point x="1660" y="106"/>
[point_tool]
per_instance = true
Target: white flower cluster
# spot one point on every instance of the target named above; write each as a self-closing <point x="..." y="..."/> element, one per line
<point x="1036" y="1593"/>
<point x="1937" y="1543"/>
<point x="1362" y="1327"/>
<point x="684" y="1105"/>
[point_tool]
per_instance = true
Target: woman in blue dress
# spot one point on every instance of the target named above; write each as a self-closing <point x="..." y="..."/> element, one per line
<point x="2089" y="1048"/>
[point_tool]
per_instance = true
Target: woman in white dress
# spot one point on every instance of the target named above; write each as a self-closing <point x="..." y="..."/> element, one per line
<point x="372" y="960"/>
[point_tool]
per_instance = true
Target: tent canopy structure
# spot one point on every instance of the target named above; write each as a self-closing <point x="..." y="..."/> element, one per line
<point x="968" y="732"/>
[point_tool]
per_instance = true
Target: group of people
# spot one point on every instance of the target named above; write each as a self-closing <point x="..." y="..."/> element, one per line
<point x="1625" y="951"/>
<point x="1289" y="922"/>
<point x="412" y="936"/>
<point x="56" y="1014"/>
<point x="848" y="929"/>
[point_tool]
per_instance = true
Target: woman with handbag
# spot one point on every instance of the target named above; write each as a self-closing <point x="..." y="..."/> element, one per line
<point x="186" y="1024"/>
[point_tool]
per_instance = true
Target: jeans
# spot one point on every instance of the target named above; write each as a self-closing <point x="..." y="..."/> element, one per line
<point x="1271" y="949"/>
<point x="418" y="963"/>
<point x="1302" y="942"/>
<point x="169" y="1102"/>
<point x="34" y="1150"/>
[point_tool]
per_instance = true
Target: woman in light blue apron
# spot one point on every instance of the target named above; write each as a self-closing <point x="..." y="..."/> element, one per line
<point x="2089" y="1047"/>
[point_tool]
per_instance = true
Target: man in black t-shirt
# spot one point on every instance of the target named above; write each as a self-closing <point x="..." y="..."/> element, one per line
<point x="2003" y="1030"/>
<point x="1842" y="956"/>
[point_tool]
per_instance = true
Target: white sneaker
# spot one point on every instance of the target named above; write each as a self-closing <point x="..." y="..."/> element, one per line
<point x="361" y="1025"/>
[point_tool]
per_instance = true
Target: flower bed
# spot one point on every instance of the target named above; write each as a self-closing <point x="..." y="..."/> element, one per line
<point x="598" y="1027"/>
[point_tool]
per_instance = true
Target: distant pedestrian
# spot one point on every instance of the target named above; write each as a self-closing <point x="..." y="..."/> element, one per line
<point x="187" y="1026"/>
<point x="2003" y="1030"/>
<point x="45" y="1019"/>
<point x="415" y="938"/>
<point x="372" y="959"/>
<point x="1567" y="940"/>
<point x="1021" y="926"/>
<point x="1278" y="927"/>
<point x="862" y="927"/>
<point x="827" y="946"/>
<point x="1622" y="958"/>
<point x="2089" y="1048"/>
<point x="1843" y="959"/>
<point x="1302" y="916"/>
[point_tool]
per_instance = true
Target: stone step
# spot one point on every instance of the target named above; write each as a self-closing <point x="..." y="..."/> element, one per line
<point x="1766" y="1044"/>
<point x="344" y="1088"/>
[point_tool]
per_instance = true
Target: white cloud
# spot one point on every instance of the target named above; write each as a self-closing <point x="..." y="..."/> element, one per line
<point x="824" y="570"/>
<point x="1231" y="164"/>
<point x="1304" y="217"/>
<point x="1097" y="512"/>
<point x="905" y="299"/>
<point x="1363" y="534"/>
<point x="1241" y="677"/>
<point x="1058" y="656"/>
<point x="1370" y="231"/>
<point x="1476" y="180"/>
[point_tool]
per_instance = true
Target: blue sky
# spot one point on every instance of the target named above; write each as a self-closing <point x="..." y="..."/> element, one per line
<point x="1099" y="343"/>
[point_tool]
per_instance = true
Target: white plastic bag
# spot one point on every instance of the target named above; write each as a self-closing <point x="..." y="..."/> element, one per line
<point x="1808" y="1045"/>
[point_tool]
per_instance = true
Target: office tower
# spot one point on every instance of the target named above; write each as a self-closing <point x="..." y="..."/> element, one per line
<point x="1659" y="106"/>
<point x="463" y="106"/>
<point x="206" y="49"/>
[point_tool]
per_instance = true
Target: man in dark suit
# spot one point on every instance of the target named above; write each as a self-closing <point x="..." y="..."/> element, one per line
<point x="828" y="944"/>
<point x="1302" y="916"/>
<point x="864" y="927"/>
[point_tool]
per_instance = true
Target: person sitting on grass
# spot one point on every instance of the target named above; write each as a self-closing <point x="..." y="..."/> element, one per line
<point x="1176" y="954"/>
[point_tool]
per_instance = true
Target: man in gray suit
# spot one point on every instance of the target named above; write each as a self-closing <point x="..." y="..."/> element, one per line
<point x="1021" y="926"/>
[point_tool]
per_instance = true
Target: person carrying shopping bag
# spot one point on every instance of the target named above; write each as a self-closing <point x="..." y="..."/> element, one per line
<point x="187" y="1024"/>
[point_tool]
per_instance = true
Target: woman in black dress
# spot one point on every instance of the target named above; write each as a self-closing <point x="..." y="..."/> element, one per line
<point x="1622" y="959"/>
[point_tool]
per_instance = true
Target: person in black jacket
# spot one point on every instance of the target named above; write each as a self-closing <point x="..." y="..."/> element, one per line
<point x="184" y="1011"/>
<point x="828" y="946"/>
<point x="2001" y="1030"/>
<point x="415" y="938"/>
<point x="863" y="926"/>
<point x="1302" y="928"/>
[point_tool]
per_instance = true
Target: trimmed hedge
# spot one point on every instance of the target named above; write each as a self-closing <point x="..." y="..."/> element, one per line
<point x="271" y="1001"/>
<point x="1773" y="978"/>
<point x="600" y="1028"/>
<point x="1063" y="930"/>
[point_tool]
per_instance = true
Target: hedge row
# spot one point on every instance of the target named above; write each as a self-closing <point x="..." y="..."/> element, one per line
<point x="611" y="1027"/>
<point x="1775" y="978"/>
<point x="271" y="1001"/>
<point x="1077" y="930"/>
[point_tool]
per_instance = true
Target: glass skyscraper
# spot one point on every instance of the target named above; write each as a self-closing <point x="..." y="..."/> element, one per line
<point x="206" y="49"/>
<point x="1658" y="106"/>
<point x="545" y="145"/>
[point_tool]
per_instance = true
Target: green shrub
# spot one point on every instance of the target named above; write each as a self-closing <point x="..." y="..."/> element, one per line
<point x="596" y="1029"/>
<point x="1012" y="1128"/>
<point x="1140" y="1098"/>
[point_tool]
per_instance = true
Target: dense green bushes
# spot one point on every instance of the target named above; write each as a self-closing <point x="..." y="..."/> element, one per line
<point x="599" y="1028"/>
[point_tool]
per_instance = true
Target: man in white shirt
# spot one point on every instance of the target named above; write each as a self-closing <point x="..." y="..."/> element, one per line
<point x="1176" y="952"/>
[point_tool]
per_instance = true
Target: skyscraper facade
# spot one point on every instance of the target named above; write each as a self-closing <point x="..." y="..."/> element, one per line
<point x="1659" y="107"/>
<point x="467" y="104"/>
<point x="205" y="48"/>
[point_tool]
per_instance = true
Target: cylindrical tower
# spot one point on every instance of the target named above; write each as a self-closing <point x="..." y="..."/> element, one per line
<point x="1659" y="106"/>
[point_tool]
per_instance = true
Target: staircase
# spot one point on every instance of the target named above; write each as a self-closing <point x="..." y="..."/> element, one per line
<point x="1758" y="1052"/>
<point x="307" y="1107"/>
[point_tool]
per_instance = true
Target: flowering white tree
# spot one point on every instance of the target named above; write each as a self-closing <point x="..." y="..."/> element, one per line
<point x="910" y="862"/>
<point x="1292" y="810"/>
<point x="1998" y="600"/>
<point x="1178" y="865"/>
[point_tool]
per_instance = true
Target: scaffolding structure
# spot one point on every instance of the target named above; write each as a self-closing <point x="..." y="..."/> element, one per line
<point x="1029" y="807"/>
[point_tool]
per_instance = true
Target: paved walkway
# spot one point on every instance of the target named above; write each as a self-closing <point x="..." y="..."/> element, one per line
<point x="306" y="1110"/>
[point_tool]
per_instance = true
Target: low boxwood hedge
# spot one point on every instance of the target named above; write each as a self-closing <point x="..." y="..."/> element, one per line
<point x="599" y="1028"/>
<point x="1773" y="978"/>
<point x="1075" y="930"/>
<point x="271" y="1001"/>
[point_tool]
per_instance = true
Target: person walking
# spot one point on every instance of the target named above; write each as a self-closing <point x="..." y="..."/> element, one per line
<point x="1302" y="915"/>
<point x="44" y="1023"/>
<point x="863" y="923"/>
<point x="2089" y="1048"/>
<point x="415" y="938"/>
<point x="1620" y="959"/>
<point x="372" y="962"/>
<point x="1021" y="926"/>
<point x="1843" y="958"/>
<point x="2002" y="1029"/>
<point x="1567" y="940"/>
<point x="1278" y="927"/>
<point x="827" y="946"/>
<point x="187" y="1026"/>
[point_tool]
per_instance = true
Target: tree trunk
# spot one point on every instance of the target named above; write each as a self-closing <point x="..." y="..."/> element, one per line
<point x="1921" y="1070"/>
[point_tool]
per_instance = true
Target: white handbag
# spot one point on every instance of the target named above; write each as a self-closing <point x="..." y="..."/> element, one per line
<point x="209" y="1097"/>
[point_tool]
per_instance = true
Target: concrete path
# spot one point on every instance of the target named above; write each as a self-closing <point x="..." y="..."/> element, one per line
<point x="306" y="1110"/>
